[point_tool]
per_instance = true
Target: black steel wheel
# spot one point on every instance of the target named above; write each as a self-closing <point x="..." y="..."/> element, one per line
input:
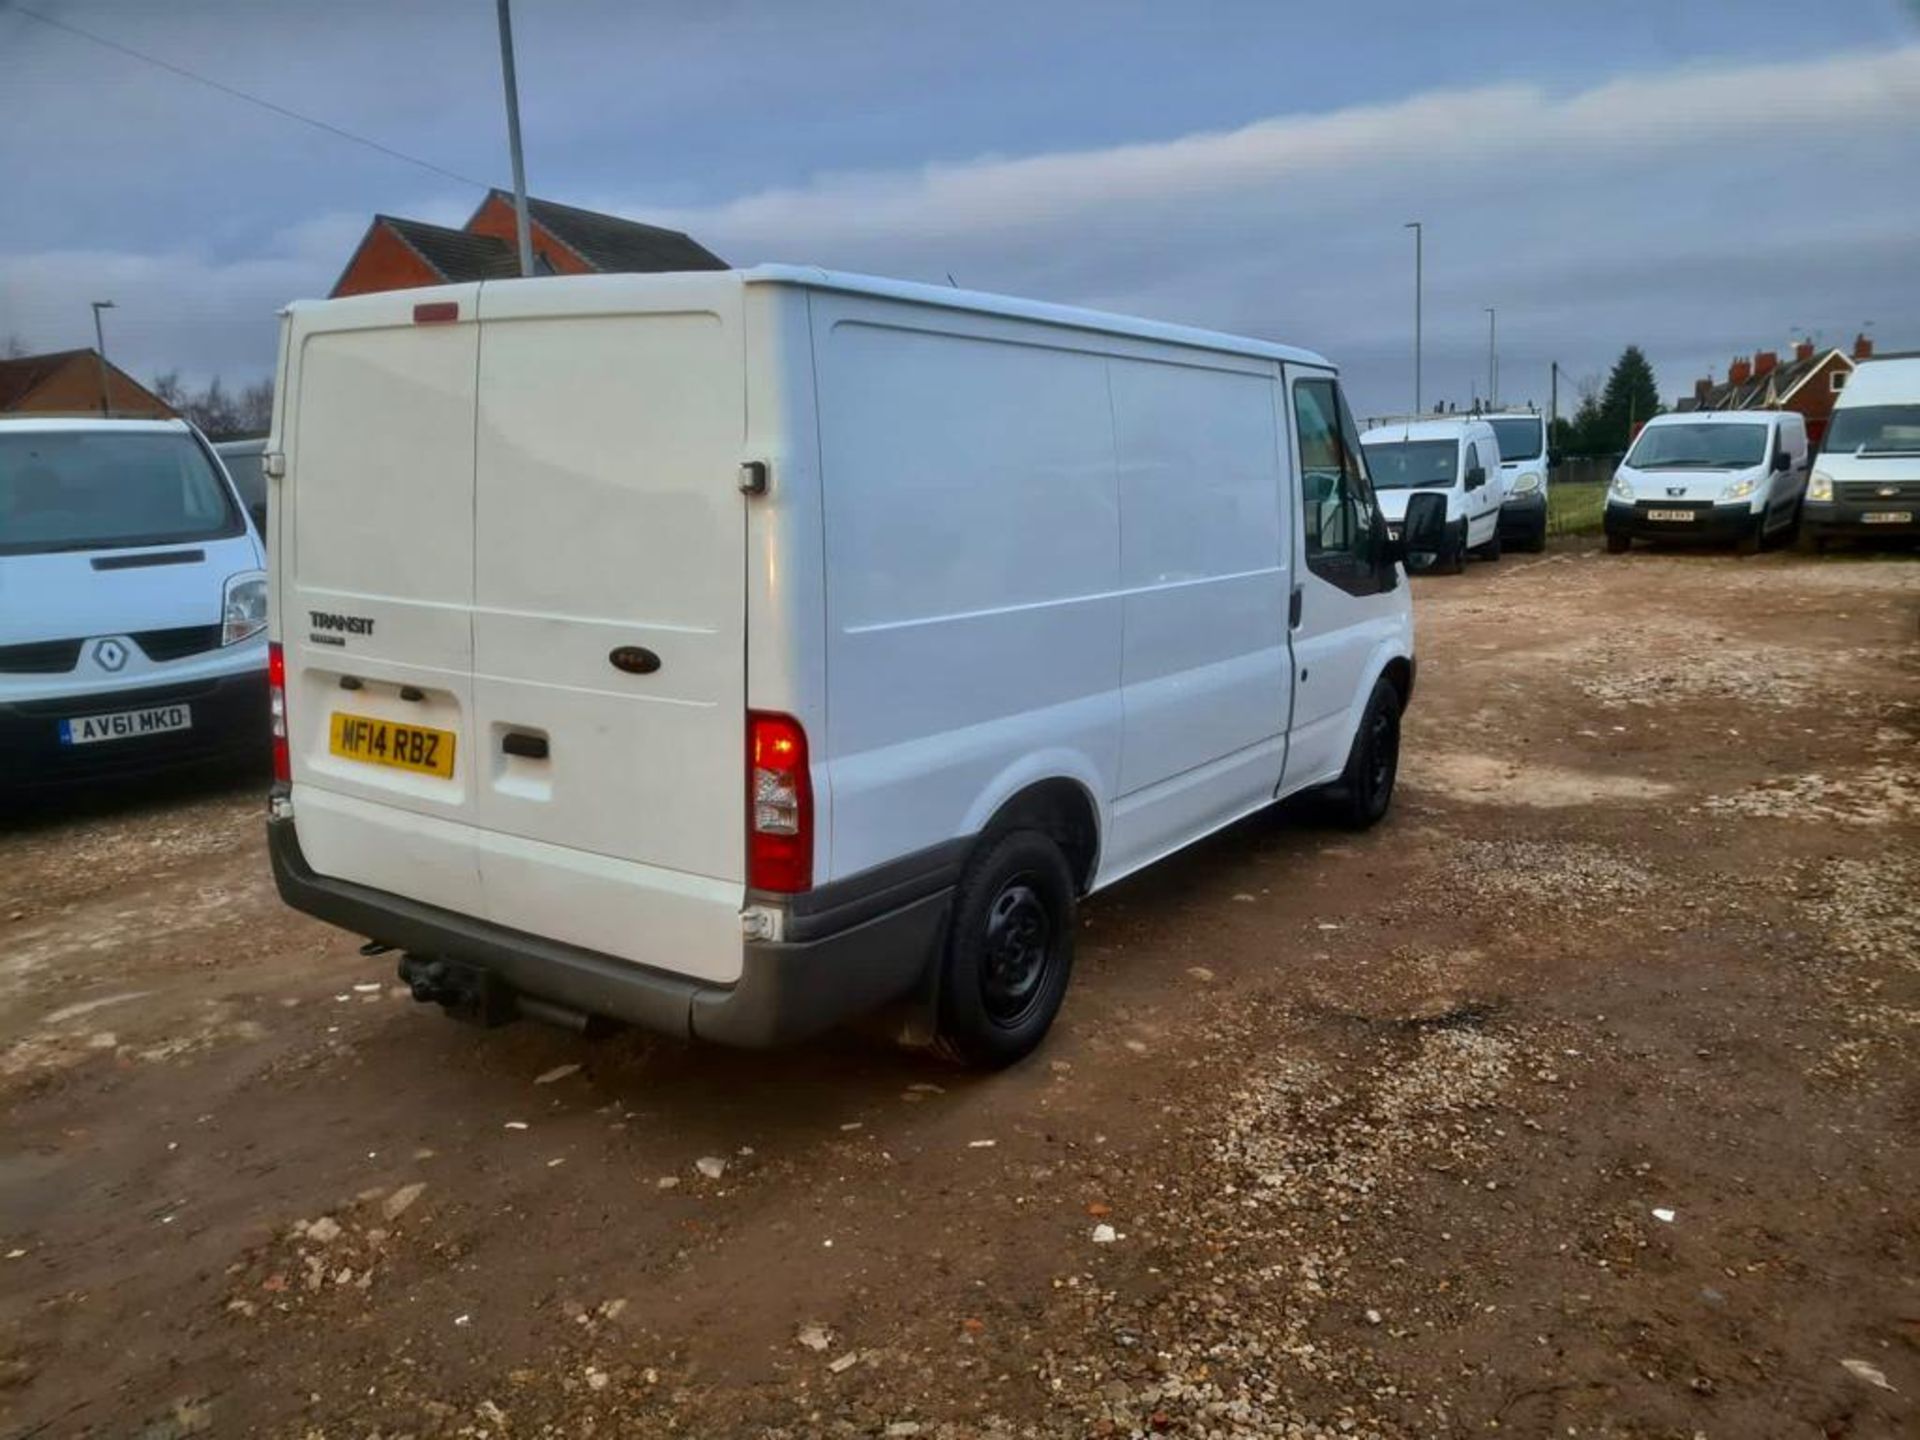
<point x="1362" y="795"/>
<point x="1009" y="950"/>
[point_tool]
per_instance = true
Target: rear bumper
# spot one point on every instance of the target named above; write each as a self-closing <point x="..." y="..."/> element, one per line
<point x="847" y="956"/>
<point x="1711" y="524"/>
<point x="229" y="715"/>
<point x="1848" y="517"/>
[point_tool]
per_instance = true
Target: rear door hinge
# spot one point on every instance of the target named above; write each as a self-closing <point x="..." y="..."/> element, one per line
<point x="753" y="477"/>
<point x="273" y="464"/>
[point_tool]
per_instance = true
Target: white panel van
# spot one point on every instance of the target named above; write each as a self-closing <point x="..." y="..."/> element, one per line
<point x="1867" y="479"/>
<point x="1710" y="476"/>
<point x="732" y="653"/>
<point x="1456" y="460"/>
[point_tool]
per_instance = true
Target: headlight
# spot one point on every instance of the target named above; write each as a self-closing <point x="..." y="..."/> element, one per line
<point x="1621" y="489"/>
<point x="1526" y="484"/>
<point x="1820" y="487"/>
<point x="243" y="607"/>
<point x="1738" y="489"/>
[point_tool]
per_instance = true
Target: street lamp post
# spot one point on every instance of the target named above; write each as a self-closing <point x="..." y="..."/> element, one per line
<point x="522" y="231"/>
<point x="1493" y="361"/>
<point x="100" y="356"/>
<point x="1419" y="246"/>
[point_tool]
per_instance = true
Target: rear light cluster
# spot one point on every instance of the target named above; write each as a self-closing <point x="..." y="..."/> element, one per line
<point x="779" y="805"/>
<point x="277" y="703"/>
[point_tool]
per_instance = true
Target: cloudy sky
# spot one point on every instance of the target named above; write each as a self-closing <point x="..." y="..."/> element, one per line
<point x="1699" y="178"/>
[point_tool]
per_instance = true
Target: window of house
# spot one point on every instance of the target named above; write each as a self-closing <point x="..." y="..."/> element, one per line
<point x="1839" y="379"/>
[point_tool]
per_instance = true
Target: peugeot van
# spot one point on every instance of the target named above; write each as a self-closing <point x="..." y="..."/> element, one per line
<point x="733" y="653"/>
<point x="1867" y="479"/>
<point x="1457" y="460"/>
<point x="133" y="602"/>
<point x="1524" y="466"/>
<point x="1710" y="476"/>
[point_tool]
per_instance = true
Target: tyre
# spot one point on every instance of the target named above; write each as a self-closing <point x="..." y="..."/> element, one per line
<point x="1810" y="541"/>
<point x="1009" y="950"/>
<point x="1490" y="550"/>
<point x="1359" y="799"/>
<point x="1453" y="559"/>
<point x="1537" y="542"/>
<point x="1618" y="544"/>
<point x="1750" y="542"/>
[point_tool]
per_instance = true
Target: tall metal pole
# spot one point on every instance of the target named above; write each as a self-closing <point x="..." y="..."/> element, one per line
<point x="100" y="356"/>
<point x="1419" y="286"/>
<point x="522" y="230"/>
<point x="1553" y="403"/>
<point x="1493" y="365"/>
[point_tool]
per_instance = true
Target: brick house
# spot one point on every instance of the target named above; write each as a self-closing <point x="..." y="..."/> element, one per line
<point x="1807" y="384"/>
<point x="399" y="254"/>
<point x="67" y="382"/>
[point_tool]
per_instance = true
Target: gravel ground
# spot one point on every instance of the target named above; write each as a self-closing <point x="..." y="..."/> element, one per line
<point x="1580" y="1098"/>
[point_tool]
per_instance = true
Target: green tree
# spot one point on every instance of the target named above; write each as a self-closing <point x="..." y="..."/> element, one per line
<point x="1630" y="399"/>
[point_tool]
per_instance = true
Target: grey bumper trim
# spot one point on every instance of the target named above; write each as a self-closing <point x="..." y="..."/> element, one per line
<point x="786" y="992"/>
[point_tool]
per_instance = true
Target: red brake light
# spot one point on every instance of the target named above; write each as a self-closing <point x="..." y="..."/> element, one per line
<point x="779" y="805"/>
<point x="277" y="704"/>
<point x="436" y="312"/>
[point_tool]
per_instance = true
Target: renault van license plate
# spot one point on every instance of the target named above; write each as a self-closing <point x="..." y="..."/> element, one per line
<point x="1887" y="517"/>
<point x="384" y="742"/>
<point x="125" y="724"/>
<point x="1670" y="514"/>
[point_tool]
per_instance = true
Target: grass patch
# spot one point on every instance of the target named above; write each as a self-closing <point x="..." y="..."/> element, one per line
<point x="1576" y="509"/>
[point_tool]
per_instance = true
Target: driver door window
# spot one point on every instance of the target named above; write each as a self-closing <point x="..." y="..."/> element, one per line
<point x="1339" y="522"/>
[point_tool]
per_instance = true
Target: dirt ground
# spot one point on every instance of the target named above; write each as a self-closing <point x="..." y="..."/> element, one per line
<point x="1579" y="1098"/>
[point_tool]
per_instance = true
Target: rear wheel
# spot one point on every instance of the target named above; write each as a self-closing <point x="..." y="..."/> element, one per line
<point x="1361" y="796"/>
<point x="1009" y="950"/>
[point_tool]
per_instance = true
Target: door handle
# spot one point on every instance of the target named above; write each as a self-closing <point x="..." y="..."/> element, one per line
<point x="1293" y="608"/>
<point x="527" y="747"/>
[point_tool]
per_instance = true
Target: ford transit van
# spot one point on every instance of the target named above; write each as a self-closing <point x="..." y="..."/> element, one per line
<point x="1866" y="481"/>
<point x="733" y="653"/>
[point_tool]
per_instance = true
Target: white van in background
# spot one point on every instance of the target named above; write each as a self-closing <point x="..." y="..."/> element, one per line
<point x="1711" y="476"/>
<point x="1458" y="459"/>
<point x="1525" y="463"/>
<point x="133" y="603"/>
<point x="1866" y="481"/>
<point x="732" y="653"/>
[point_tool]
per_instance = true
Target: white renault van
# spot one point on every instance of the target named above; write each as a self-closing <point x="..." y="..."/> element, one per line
<point x="1525" y="460"/>
<point x="732" y="653"/>
<point x="133" y="603"/>
<point x="1712" y="476"/>
<point x="1458" y="460"/>
<point x="1867" y="479"/>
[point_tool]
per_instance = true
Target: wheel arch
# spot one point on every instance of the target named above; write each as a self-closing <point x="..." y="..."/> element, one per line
<point x="1061" y="806"/>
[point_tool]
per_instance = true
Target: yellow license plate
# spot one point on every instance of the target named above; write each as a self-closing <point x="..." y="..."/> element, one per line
<point x="384" y="742"/>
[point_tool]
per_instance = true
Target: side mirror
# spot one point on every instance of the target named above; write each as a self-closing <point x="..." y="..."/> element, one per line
<point x="1424" y="530"/>
<point x="1476" y="477"/>
<point x="1782" y="460"/>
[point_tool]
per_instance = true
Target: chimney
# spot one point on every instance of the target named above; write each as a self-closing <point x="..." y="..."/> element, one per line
<point x="1739" y="372"/>
<point x="1803" y="350"/>
<point x="1862" y="347"/>
<point x="1702" y="388"/>
<point x="1763" y="363"/>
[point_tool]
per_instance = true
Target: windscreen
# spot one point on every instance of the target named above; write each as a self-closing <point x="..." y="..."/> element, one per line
<point x="98" y="489"/>
<point x="1875" y="430"/>
<point x="1410" y="464"/>
<point x="1519" y="439"/>
<point x="1699" y="447"/>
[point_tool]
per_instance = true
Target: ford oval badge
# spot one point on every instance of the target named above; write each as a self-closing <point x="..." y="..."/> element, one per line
<point x="634" y="659"/>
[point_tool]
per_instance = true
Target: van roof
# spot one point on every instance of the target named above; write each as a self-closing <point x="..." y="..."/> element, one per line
<point x="1448" y="428"/>
<point x="983" y="302"/>
<point x="1883" y="380"/>
<point x="1720" y="417"/>
<point x="85" y="422"/>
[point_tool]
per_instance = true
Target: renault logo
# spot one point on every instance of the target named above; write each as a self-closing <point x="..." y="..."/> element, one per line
<point x="110" y="654"/>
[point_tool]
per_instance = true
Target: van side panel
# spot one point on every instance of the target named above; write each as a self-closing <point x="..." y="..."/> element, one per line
<point x="1205" y="562"/>
<point x="972" y="563"/>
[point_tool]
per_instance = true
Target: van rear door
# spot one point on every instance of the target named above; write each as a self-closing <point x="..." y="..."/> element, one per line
<point x="609" y="688"/>
<point x="374" y="584"/>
